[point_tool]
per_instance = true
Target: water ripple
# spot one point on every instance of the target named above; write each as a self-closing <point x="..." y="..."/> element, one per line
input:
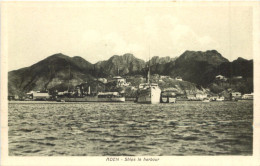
<point x="130" y="129"/>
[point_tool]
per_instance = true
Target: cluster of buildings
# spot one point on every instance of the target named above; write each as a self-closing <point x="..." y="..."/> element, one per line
<point x="230" y="96"/>
<point x="122" y="82"/>
<point x="238" y="95"/>
<point x="161" y="77"/>
<point x="223" y="78"/>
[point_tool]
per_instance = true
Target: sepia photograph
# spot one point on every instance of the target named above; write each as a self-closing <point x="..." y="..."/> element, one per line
<point x="120" y="80"/>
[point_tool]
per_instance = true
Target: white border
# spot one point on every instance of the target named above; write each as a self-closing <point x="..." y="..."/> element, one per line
<point x="186" y="160"/>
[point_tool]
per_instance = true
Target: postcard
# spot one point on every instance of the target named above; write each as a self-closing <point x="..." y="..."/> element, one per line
<point x="130" y="83"/>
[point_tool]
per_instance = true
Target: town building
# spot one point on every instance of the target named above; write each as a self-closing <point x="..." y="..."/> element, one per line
<point x="201" y="96"/>
<point x="236" y="94"/>
<point x="164" y="77"/>
<point x="120" y="81"/>
<point x="191" y="97"/>
<point x="178" y="78"/>
<point x="13" y="97"/>
<point x="103" y="80"/>
<point x="221" y="77"/>
<point x="237" y="77"/>
<point x="248" y="96"/>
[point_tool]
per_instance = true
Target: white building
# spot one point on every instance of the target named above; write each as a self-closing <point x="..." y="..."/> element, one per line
<point x="120" y="81"/>
<point x="191" y="97"/>
<point x="236" y="94"/>
<point x="104" y="80"/>
<point x="201" y="96"/>
<point x="221" y="77"/>
<point x="248" y="96"/>
<point x="178" y="78"/>
<point x="162" y="77"/>
<point x="238" y="77"/>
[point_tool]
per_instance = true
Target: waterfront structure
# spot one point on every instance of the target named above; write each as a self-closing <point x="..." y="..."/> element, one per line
<point x="248" y="96"/>
<point x="13" y="97"/>
<point x="206" y="100"/>
<point x="201" y="96"/>
<point x="221" y="98"/>
<point x="236" y="94"/>
<point x="191" y="97"/>
<point x="37" y="95"/>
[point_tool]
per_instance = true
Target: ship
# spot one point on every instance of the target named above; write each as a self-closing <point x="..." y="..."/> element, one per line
<point x="93" y="96"/>
<point x="148" y="93"/>
<point x="206" y="100"/>
<point x="100" y="97"/>
<point x="222" y="98"/>
<point x="168" y="96"/>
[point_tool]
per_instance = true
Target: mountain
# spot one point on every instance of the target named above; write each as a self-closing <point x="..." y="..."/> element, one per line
<point x="57" y="71"/>
<point x="121" y="65"/>
<point x="161" y="60"/>
<point x="239" y="67"/>
<point x="61" y="72"/>
<point x="211" y="57"/>
<point x="193" y="66"/>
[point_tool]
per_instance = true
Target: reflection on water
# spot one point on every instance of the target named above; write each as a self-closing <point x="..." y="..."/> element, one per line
<point x="129" y="129"/>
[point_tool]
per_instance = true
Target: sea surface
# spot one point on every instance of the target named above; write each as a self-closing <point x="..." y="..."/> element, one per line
<point x="130" y="129"/>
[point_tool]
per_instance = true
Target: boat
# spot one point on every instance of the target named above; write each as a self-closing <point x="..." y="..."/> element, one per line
<point x="100" y="97"/>
<point x="220" y="99"/>
<point x="206" y="100"/>
<point x="148" y="93"/>
<point x="168" y="97"/>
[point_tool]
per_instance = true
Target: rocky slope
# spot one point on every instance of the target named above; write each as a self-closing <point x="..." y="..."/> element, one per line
<point x="121" y="65"/>
<point x="60" y="72"/>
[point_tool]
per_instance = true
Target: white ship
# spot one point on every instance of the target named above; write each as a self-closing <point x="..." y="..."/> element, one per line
<point x="148" y="93"/>
<point x="100" y="97"/>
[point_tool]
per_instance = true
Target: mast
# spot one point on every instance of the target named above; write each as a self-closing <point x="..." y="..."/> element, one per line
<point x="89" y="90"/>
<point x="69" y="79"/>
<point x="148" y="74"/>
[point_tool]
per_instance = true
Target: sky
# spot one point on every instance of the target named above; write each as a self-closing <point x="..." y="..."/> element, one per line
<point x="97" y="31"/>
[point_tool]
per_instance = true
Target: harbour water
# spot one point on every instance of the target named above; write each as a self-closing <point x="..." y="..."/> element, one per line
<point x="130" y="129"/>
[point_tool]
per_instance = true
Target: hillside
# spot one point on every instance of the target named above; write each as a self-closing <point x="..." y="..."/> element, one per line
<point x="197" y="67"/>
<point x="124" y="64"/>
<point x="55" y="71"/>
<point x="61" y="72"/>
<point x="161" y="60"/>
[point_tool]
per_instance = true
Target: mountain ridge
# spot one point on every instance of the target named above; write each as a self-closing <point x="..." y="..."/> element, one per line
<point x="54" y="71"/>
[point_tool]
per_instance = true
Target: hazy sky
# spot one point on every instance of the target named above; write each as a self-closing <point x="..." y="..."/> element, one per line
<point x="96" y="31"/>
